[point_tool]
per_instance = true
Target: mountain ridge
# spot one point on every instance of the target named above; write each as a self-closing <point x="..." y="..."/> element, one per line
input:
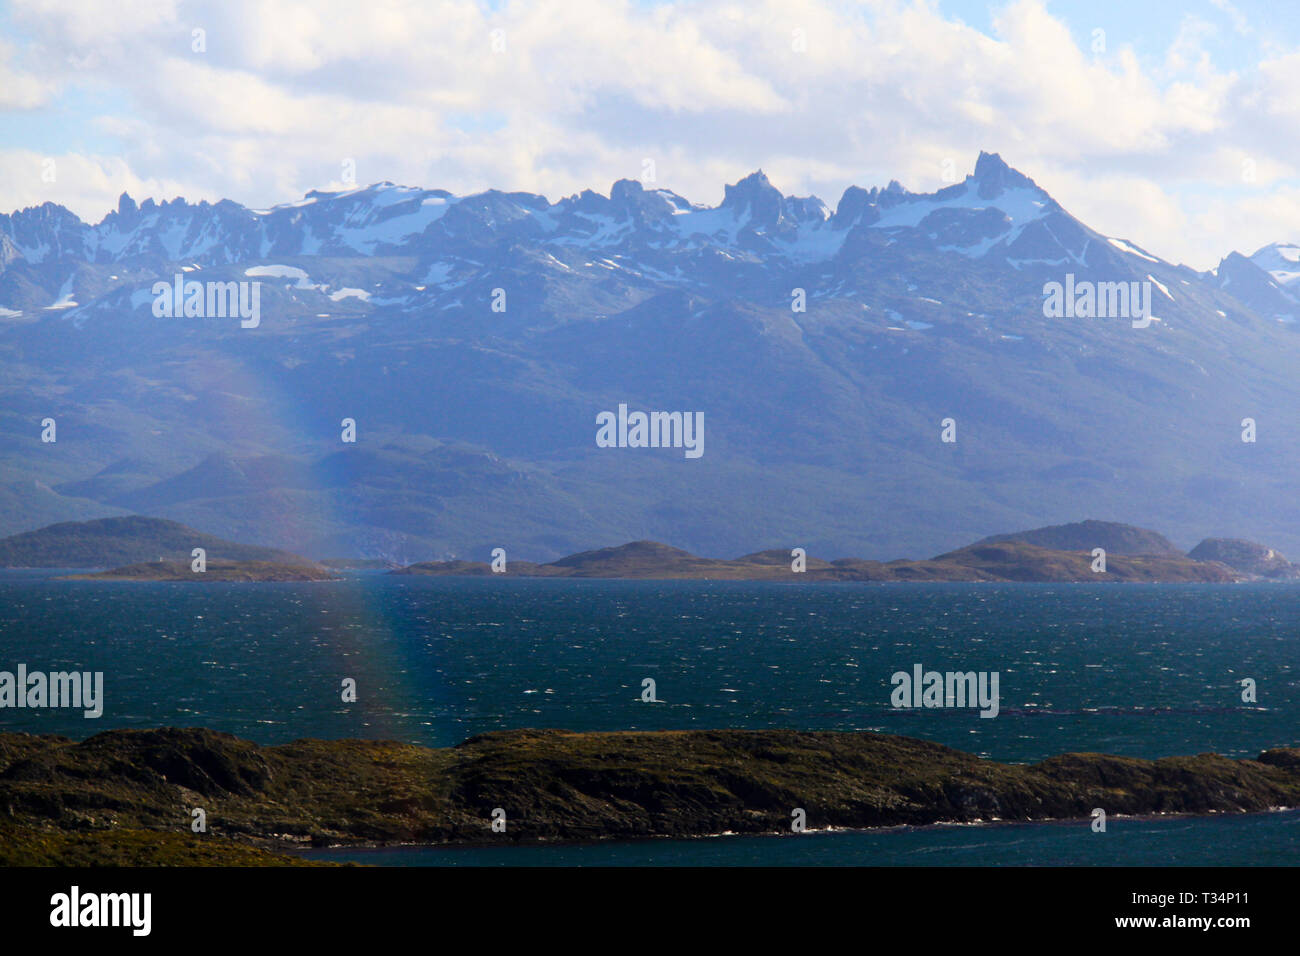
<point x="383" y="216"/>
<point x="475" y="339"/>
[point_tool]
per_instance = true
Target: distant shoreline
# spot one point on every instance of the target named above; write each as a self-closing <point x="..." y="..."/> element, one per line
<point x="310" y="853"/>
<point x="142" y="548"/>
<point x="981" y="562"/>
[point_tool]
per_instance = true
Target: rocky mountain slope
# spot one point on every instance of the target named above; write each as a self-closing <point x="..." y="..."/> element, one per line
<point x="474" y="340"/>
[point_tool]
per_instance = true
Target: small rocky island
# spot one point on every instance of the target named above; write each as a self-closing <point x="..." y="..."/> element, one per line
<point x="216" y="570"/>
<point x="1248" y="557"/>
<point x="126" y="796"/>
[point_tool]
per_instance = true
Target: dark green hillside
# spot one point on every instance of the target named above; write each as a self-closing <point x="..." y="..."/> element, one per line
<point x="112" y="542"/>
<point x="107" y="798"/>
<point x="215" y="571"/>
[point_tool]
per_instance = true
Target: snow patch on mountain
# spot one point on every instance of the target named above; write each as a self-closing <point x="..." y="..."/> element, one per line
<point x="1281" y="260"/>
<point x="1125" y="246"/>
<point x="302" y="280"/>
<point x="65" y="299"/>
<point x="1161" y="286"/>
<point x="1021" y="207"/>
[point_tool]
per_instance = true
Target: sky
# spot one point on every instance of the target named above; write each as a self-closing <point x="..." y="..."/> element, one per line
<point x="1171" y="124"/>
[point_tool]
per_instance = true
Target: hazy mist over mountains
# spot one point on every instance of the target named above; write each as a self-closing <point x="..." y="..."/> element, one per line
<point x="475" y="339"/>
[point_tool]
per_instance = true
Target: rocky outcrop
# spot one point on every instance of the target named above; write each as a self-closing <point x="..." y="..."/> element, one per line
<point x="1248" y="557"/>
<point x="557" y="785"/>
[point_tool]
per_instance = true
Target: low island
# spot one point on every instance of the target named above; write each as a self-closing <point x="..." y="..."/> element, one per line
<point x="214" y="571"/>
<point x="1009" y="560"/>
<point x="140" y="548"/>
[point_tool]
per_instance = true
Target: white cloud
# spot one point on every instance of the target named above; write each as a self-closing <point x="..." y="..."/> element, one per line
<point x="19" y="89"/>
<point x="818" y="93"/>
<point x="1235" y="17"/>
<point x="79" y="182"/>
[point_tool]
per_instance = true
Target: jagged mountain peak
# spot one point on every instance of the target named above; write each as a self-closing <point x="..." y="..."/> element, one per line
<point x="995" y="176"/>
<point x="1281" y="260"/>
<point x="755" y="181"/>
<point x="630" y="201"/>
<point x="1261" y="282"/>
<point x="378" y="303"/>
<point x="995" y="213"/>
<point x="756" y="197"/>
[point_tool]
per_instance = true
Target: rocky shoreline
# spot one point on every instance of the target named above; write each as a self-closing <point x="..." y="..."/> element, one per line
<point x="128" y="796"/>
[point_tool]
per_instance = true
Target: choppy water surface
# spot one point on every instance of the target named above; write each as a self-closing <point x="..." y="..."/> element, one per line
<point x="1141" y="670"/>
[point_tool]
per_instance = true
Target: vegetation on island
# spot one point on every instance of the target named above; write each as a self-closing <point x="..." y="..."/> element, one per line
<point x="213" y="571"/>
<point x="133" y="539"/>
<point x="127" y="796"/>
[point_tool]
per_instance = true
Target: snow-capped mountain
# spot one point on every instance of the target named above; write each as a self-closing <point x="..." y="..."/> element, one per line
<point x="1281" y="260"/>
<point x="474" y="338"/>
<point x="1264" y="281"/>
<point x="996" y="216"/>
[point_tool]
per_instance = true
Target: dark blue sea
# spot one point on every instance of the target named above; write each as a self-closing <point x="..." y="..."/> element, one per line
<point x="1140" y="670"/>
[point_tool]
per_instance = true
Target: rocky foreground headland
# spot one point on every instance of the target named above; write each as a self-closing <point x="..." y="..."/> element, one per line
<point x="127" y="797"/>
